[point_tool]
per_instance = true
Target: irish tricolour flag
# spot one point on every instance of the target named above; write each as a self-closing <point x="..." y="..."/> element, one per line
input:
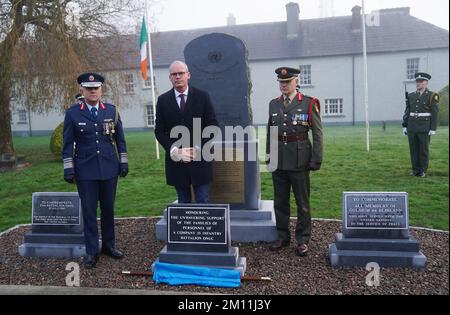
<point x="143" y="45"/>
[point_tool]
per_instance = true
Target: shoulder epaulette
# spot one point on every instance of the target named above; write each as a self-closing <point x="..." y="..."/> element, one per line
<point x="436" y="97"/>
<point x="314" y="102"/>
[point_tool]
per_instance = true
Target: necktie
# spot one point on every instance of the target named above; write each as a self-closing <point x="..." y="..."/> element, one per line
<point x="287" y="101"/>
<point x="182" y="102"/>
<point x="94" y="112"/>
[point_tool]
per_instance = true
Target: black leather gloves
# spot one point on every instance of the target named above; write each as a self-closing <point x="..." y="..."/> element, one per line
<point x="123" y="169"/>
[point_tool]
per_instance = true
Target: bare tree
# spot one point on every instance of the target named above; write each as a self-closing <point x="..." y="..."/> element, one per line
<point x="44" y="44"/>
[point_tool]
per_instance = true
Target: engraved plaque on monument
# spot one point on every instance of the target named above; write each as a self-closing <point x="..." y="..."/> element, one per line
<point x="375" y="229"/>
<point x="229" y="181"/>
<point x="56" y="213"/>
<point x="198" y="228"/>
<point x="199" y="235"/>
<point x="57" y="226"/>
<point x="381" y="215"/>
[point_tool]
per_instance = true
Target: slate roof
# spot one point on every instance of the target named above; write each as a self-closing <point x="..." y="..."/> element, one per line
<point x="398" y="31"/>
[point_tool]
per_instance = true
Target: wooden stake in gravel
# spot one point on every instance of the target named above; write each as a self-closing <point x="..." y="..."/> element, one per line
<point x="150" y="274"/>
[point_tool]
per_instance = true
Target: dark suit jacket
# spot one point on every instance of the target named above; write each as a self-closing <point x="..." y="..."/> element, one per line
<point x="168" y="116"/>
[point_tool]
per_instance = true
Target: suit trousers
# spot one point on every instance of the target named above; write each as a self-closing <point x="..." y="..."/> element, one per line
<point x="201" y="193"/>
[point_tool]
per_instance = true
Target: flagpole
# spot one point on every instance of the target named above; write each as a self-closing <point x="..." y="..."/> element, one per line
<point x="151" y="74"/>
<point x="366" y="84"/>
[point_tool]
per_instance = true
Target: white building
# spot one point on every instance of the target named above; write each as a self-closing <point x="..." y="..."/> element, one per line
<point x="329" y="51"/>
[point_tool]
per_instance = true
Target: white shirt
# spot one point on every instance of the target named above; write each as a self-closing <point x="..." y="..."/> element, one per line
<point x="90" y="106"/>
<point x="178" y="98"/>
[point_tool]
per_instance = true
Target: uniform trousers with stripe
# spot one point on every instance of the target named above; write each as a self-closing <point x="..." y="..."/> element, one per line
<point x="92" y="193"/>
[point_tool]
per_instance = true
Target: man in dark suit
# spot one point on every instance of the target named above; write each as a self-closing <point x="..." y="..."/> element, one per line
<point x="181" y="107"/>
<point x="95" y="154"/>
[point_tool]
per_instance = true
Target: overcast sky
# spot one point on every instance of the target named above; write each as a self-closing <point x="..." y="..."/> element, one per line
<point x="190" y="14"/>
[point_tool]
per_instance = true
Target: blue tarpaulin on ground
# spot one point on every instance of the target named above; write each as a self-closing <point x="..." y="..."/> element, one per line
<point x="174" y="274"/>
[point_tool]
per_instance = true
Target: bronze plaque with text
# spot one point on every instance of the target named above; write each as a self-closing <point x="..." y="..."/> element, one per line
<point x="228" y="184"/>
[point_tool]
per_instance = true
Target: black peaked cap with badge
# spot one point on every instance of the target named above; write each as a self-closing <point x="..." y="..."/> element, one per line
<point x="90" y="79"/>
<point x="287" y="73"/>
<point x="422" y="76"/>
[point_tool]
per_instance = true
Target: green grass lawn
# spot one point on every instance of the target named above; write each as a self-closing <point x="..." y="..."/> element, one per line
<point x="346" y="167"/>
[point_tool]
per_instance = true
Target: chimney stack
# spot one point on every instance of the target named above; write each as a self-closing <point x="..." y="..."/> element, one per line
<point x="293" y="12"/>
<point x="356" y="18"/>
<point x="231" y="20"/>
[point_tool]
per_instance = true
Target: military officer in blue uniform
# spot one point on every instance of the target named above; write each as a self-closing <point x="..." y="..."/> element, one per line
<point x="420" y="122"/>
<point x="294" y="114"/>
<point x="95" y="154"/>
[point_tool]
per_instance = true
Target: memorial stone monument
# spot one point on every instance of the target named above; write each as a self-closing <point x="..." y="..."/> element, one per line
<point x="375" y="229"/>
<point x="57" y="227"/>
<point x="199" y="235"/>
<point x="219" y="65"/>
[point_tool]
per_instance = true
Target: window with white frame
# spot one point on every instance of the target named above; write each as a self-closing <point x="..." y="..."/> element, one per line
<point x="412" y="67"/>
<point x="22" y="116"/>
<point x="148" y="82"/>
<point x="129" y="83"/>
<point x="334" y="107"/>
<point x="305" y="75"/>
<point x="150" y="116"/>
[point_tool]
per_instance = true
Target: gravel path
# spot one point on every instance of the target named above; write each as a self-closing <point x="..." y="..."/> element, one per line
<point x="290" y="274"/>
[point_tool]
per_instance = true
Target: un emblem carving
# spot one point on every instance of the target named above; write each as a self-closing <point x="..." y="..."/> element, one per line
<point x="214" y="57"/>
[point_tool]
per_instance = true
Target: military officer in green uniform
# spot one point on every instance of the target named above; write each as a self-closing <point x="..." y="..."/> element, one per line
<point x="420" y="122"/>
<point x="294" y="114"/>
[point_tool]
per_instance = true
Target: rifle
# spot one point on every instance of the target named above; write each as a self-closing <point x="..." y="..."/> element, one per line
<point x="406" y="96"/>
<point x="150" y="274"/>
<point x="407" y="109"/>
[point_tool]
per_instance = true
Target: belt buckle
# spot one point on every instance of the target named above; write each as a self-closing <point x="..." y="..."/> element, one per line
<point x="416" y="115"/>
<point x="284" y="138"/>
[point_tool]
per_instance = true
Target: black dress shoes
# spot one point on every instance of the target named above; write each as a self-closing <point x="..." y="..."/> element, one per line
<point x="90" y="261"/>
<point x="278" y="244"/>
<point x="301" y="250"/>
<point x="112" y="252"/>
